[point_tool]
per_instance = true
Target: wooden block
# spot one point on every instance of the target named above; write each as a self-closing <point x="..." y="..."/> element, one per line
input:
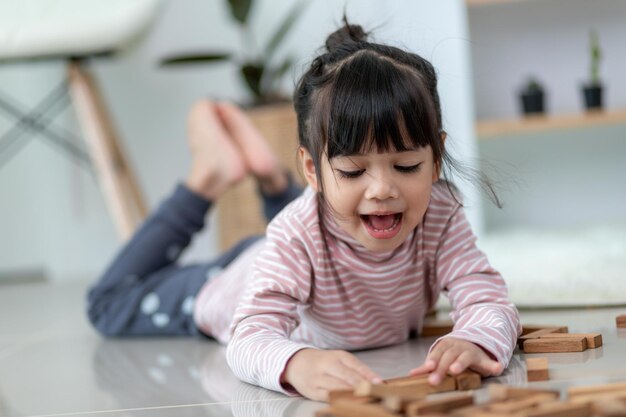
<point x="538" y="333"/>
<point x="347" y="408"/>
<point x="399" y="405"/>
<point x="416" y="389"/>
<point x="530" y="328"/>
<point x="326" y="412"/>
<point x="596" y="389"/>
<point x="522" y="404"/>
<point x="440" y="405"/>
<point x="467" y="380"/>
<point x="604" y="396"/>
<point x="621" y="321"/>
<point x="565" y="344"/>
<point x="537" y="369"/>
<point x="396" y="403"/>
<point x="348" y="394"/>
<point x="436" y="327"/>
<point x="470" y="410"/>
<point x="609" y="408"/>
<point x="406" y="380"/>
<point x="499" y="392"/>
<point x="560" y="409"/>
<point x="594" y="340"/>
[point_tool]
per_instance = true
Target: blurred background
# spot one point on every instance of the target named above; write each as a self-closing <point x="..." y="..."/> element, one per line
<point x="560" y="238"/>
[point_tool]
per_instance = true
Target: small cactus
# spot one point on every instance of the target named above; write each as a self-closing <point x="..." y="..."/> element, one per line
<point x="596" y="54"/>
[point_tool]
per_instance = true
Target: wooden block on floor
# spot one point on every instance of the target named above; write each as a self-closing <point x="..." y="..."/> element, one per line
<point x="530" y="328"/>
<point x="403" y="380"/>
<point x="326" y="412"/>
<point x="565" y="344"/>
<point x="596" y="389"/>
<point x="467" y="380"/>
<point x="609" y="408"/>
<point x="498" y="392"/>
<point x="348" y="394"/>
<point x="523" y="403"/>
<point x="407" y="389"/>
<point x="440" y="405"/>
<point x="603" y="396"/>
<point x="594" y="340"/>
<point x="538" y="333"/>
<point x="436" y="327"/>
<point x="396" y="403"/>
<point x="537" y="369"/>
<point x="470" y="411"/>
<point x="620" y="321"/>
<point x="560" y="409"/>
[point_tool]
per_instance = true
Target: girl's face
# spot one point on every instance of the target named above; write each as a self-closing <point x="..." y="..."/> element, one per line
<point x="377" y="198"/>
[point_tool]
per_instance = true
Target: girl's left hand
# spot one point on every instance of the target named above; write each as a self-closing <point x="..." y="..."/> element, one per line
<point x="453" y="356"/>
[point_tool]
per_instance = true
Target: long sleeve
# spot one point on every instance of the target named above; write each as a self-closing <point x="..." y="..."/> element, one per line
<point x="260" y="347"/>
<point x="481" y="310"/>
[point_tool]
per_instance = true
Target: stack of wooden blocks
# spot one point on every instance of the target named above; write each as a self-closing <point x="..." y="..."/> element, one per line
<point x="395" y="400"/>
<point x="542" y="339"/>
<point x="401" y="396"/>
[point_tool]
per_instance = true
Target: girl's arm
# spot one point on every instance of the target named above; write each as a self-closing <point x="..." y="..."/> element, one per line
<point x="260" y="347"/>
<point x="481" y="310"/>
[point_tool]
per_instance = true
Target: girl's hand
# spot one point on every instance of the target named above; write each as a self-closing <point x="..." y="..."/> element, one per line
<point x="452" y="356"/>
<point x="313" y="373"/>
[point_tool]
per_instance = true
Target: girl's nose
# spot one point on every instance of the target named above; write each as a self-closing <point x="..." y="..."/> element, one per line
<point x="381" y="187"/>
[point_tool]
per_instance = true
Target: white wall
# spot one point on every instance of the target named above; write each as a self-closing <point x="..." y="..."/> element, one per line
<point x="52" y="215"/>
<point x="562" y="178"/>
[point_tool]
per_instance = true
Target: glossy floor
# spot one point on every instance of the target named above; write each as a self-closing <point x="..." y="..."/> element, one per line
<point x="53" y="364"/>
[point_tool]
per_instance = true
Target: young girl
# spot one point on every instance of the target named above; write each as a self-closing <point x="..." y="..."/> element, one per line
<point x="354" y="262"/>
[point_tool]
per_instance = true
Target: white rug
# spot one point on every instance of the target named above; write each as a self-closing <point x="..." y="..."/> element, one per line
<point x="560" y="268"/>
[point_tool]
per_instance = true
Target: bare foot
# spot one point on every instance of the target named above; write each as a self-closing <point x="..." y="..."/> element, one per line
<point x="217" y="163"/>
<point x="258" y="156"/>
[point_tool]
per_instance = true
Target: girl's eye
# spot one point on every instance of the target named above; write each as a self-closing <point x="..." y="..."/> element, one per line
<point x="408" y="168"/>
<point x="350" y="174"/>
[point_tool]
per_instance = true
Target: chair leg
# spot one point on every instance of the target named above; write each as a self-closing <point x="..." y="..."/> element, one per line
<point x="117" y="181"/>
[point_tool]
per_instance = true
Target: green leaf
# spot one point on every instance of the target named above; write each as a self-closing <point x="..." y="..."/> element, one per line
<point x="287" y="24"/>
<point x="253" y="73"/>
<point x="240" y="9"/>
<point x="276" y="74"/>
<point x="194" y="58"/>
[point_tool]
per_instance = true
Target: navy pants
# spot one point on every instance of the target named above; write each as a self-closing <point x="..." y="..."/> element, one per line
<point x="145" y="291"/>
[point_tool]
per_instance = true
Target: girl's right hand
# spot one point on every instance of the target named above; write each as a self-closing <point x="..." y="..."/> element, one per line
<point x="313" y="373"/>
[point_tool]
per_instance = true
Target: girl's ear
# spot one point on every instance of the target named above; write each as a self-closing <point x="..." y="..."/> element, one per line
<point x="437" y="170"/>
<point x="308" y="168"/>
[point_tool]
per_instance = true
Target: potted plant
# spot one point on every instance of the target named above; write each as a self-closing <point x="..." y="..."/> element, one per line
<point x="532" y="97"/>
<point x="592" y="90"/>
<point x="257" y="66"/>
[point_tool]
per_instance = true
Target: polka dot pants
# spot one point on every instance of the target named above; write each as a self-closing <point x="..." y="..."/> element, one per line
<point x="145" y="291"/>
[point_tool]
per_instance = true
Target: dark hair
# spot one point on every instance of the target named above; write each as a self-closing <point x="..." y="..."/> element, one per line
<point x="360" y="95"/>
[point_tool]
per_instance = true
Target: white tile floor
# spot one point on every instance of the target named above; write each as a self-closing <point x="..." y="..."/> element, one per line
<point x="53" y="364"/>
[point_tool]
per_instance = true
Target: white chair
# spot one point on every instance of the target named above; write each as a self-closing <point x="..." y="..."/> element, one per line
<point x="76" y="31"/>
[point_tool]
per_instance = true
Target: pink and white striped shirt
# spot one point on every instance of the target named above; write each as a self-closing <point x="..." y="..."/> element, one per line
<point x="309" y="284"/>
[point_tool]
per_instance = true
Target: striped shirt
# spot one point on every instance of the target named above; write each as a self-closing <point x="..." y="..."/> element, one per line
<point x="310" y="284"/>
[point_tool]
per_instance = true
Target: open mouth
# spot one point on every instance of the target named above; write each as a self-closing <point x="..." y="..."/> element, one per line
<point x="383" y="226"/>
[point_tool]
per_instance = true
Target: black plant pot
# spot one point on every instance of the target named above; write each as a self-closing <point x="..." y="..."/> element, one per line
<point x="532" y="101"/>
<point x="593" y="96"/>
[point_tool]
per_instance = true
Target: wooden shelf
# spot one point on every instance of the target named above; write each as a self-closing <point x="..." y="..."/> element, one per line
<point x="478" y="3"/>
<point x="488" y="129"/>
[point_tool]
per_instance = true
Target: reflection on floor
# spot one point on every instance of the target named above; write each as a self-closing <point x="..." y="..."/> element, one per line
<point x="53" y="364"/>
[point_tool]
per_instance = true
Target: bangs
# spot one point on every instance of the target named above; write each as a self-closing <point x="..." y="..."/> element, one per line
<point x="376" y="104"/>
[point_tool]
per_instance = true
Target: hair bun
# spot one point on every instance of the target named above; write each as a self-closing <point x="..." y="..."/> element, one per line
<point x="345" y="35"/>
